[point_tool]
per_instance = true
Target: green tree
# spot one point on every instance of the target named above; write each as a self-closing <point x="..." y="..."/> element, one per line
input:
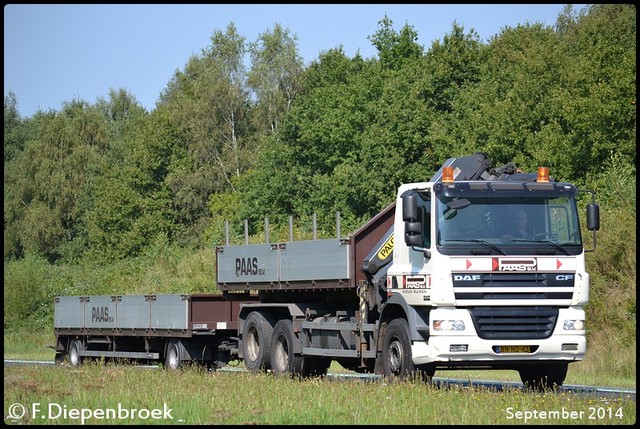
<point x="14" y="138"/>
<point x="394" y="48"/>
<point x="546" y="97"/>
<point x="206" y="111"/>
<point x="127" y="206"/>
<point x="293" y="171"/>
<point x="47" y="179"/>
<point x="596" y="95"/>
<point x="16" y="135"/>
<point x="275" y="75"/>
<point x="506" y="112"/>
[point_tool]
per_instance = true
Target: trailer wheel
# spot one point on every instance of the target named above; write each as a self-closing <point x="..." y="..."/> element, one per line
<point x="543" y="377"/>
<point x="173" y="358"/>
<point x="396" y="351"/>
<point x="256" y="342"/>
<point x="75" y="360"/>
<point x="283" y="360"/>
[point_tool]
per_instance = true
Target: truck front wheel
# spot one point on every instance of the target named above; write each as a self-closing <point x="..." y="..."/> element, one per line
<point x="256" y="342"/>
<point x="397" y="362"/>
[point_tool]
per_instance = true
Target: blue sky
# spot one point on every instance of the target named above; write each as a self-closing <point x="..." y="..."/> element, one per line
<point x="58" y="53"/>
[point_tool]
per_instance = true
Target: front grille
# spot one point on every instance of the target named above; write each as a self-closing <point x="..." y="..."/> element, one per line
<point x="513" y="295"/>
<point x="514" y="323"/>
<point x="502" y="286"/>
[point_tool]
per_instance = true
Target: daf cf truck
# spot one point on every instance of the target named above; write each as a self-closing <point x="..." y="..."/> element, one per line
<point x="435" y="281"/>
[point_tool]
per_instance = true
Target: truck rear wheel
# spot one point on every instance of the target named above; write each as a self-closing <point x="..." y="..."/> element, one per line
<point x="544" y="376"/>
<point x="283" y="360"/>
<point x="256" y="342"/>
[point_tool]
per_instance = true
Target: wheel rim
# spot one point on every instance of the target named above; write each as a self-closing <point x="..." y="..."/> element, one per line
<point x="74" y="357"/>
<point x="395" y="356"/>
<point x="281" y="355"/>
<point x="172" y="358"/>
<point x="253" y="345"/>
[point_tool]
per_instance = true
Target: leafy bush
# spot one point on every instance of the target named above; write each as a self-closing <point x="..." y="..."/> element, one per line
<point x="27" y="292"/>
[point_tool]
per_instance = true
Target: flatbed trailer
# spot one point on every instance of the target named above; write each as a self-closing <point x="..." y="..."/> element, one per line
<point x="170" y="328"/>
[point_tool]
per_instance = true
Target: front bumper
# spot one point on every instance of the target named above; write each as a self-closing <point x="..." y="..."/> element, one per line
<point x="466" y="347"/>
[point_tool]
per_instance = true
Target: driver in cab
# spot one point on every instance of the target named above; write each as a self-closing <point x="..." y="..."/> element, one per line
<point x="519" y="227"/>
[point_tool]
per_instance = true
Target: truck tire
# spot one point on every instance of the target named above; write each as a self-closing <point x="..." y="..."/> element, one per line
<point x="542" y="377"/>
<point x="256" y="342"/>
<point x="173" y="357"/>
<point x="283" y="359"/>
<point x="75" y="360"/>
<point x="397" y="362"/>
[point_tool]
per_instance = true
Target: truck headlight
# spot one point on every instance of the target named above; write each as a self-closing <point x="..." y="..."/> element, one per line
<point x="573" y="325"/>
<point x="448" y="325"/>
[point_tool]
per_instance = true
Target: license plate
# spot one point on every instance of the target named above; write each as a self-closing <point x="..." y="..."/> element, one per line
<point x="514" y="349"/>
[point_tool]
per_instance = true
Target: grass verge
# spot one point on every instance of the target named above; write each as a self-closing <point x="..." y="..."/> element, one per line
<point x="106" y="394"/>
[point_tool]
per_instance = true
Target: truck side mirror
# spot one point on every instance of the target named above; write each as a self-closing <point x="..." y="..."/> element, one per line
<point x="593" y="217"/>
<point x="409" y="208"/>
<point x="412" y="225"/>
<point x="413" y="234"/>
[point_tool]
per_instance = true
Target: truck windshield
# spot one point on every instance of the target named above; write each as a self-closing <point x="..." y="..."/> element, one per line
<point x="508" y="222"/>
